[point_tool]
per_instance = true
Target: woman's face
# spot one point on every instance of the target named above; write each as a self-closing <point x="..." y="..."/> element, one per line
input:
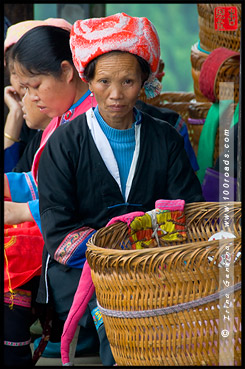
<point x="53" y="96"/>
<point x="116" y="86"/>
<point x="32" y="115"/>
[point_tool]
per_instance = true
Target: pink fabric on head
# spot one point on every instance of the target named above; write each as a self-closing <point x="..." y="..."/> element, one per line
<point x="16" y="31"/>
<point x="93" y="37"/>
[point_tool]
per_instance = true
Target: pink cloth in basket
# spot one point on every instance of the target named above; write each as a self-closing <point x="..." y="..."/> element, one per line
<point x="126" y="218"/>
<point x="172" y="205"/>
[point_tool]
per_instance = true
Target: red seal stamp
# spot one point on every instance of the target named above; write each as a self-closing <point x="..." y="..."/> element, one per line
<point x="225" y="18"/>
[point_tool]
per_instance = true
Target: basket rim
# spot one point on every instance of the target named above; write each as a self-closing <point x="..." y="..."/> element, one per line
<point x="190" y="246"/>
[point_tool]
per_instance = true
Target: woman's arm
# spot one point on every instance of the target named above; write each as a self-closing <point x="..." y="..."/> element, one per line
<point x="15" y="213"/>
<point x="20" y="187"/>
<point x="64" y="232"/>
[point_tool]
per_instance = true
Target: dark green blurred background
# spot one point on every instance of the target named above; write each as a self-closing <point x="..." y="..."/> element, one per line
<point x="176" y="24"/>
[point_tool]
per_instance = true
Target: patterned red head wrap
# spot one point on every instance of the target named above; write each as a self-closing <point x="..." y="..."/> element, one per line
<point x="93" y="37"/>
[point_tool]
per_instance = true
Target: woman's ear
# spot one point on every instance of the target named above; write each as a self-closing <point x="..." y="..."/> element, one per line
<point x="90" y="86"/>
<point x="67" y="70"/>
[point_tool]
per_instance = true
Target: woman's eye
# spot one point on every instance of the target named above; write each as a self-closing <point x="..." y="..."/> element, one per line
<point x="25" y="88"/>
<point x="128" y="81"/>
<point x="104" y="81"/>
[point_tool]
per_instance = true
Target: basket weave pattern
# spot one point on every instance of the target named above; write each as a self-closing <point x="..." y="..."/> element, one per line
<point x="139" y="282"/>
<point x="228" y="72"/>
<point x="211" y="39"/>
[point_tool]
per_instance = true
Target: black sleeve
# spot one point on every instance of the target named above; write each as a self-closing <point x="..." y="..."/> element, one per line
<point x="57" y="188"/>
<point x="25" y="162"/>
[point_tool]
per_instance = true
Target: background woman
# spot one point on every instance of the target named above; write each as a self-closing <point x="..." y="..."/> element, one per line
<point x="18" y="134"/>
<point x="111" y="160"/>
<point x="44" y="60"/>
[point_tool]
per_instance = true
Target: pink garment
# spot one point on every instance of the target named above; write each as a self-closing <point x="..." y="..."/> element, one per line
<point x="126" y="218"/>
<point x="55" y="122"/>
<point x="16" y="31"/>
<point x="81" y="299"/>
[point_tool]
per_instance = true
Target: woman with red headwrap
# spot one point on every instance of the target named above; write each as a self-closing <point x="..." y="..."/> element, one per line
<point x="111" y="160"/>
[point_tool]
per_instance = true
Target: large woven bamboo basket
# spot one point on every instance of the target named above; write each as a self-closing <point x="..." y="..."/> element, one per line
<point x="228" y="72"/>
<point x="177" y="101"/>
<point x="162" y="306"/>
<point x="210" y="38"/>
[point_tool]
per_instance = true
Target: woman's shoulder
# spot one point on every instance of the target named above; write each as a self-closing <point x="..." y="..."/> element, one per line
<point x="156" y="122"/>
<point x="161" y="113"/>
<point x="66" y="136"/>
<point x="72" y="127"/>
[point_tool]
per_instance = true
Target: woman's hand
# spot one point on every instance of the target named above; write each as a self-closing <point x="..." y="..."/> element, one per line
<point x="14" y="119"/>
<point x="15" y="213"/>
<point x="12" y="98"/>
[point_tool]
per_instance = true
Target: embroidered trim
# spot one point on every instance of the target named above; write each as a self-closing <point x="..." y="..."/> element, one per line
<point x="31" y="187"/>
<point x="18" y="297"/>
<point x="70" y="243"/>
<point x="17" y="344"/>
<point x="179" y="124"/>
<point x="9" y="280"/>
<point x="10" y="243"/>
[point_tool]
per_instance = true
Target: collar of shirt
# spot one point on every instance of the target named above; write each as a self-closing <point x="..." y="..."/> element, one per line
<point x="137" y="116"/>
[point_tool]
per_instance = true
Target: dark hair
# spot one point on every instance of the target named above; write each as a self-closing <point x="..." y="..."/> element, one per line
<point x="144" y="66"/>
<point x="8" y="56"/>
<point x="42" y="49"/>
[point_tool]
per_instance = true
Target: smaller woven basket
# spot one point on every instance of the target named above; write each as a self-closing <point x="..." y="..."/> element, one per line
<point x="210" y="38"/>
<point x="177" y="101"/>
<point x="162" y="305"/>
<point x="228" y="72"/>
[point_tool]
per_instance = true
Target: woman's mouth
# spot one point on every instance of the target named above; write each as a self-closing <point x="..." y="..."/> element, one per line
<point x="116" y="107"/>
<point x="41" y="108"/>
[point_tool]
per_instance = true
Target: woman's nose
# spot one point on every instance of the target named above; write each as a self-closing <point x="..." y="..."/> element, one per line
<point x="116" y="92"/>
<point x="33" y="96"/>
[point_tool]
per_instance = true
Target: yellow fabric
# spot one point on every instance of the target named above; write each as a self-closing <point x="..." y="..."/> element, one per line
<point x="142" y="229"/>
